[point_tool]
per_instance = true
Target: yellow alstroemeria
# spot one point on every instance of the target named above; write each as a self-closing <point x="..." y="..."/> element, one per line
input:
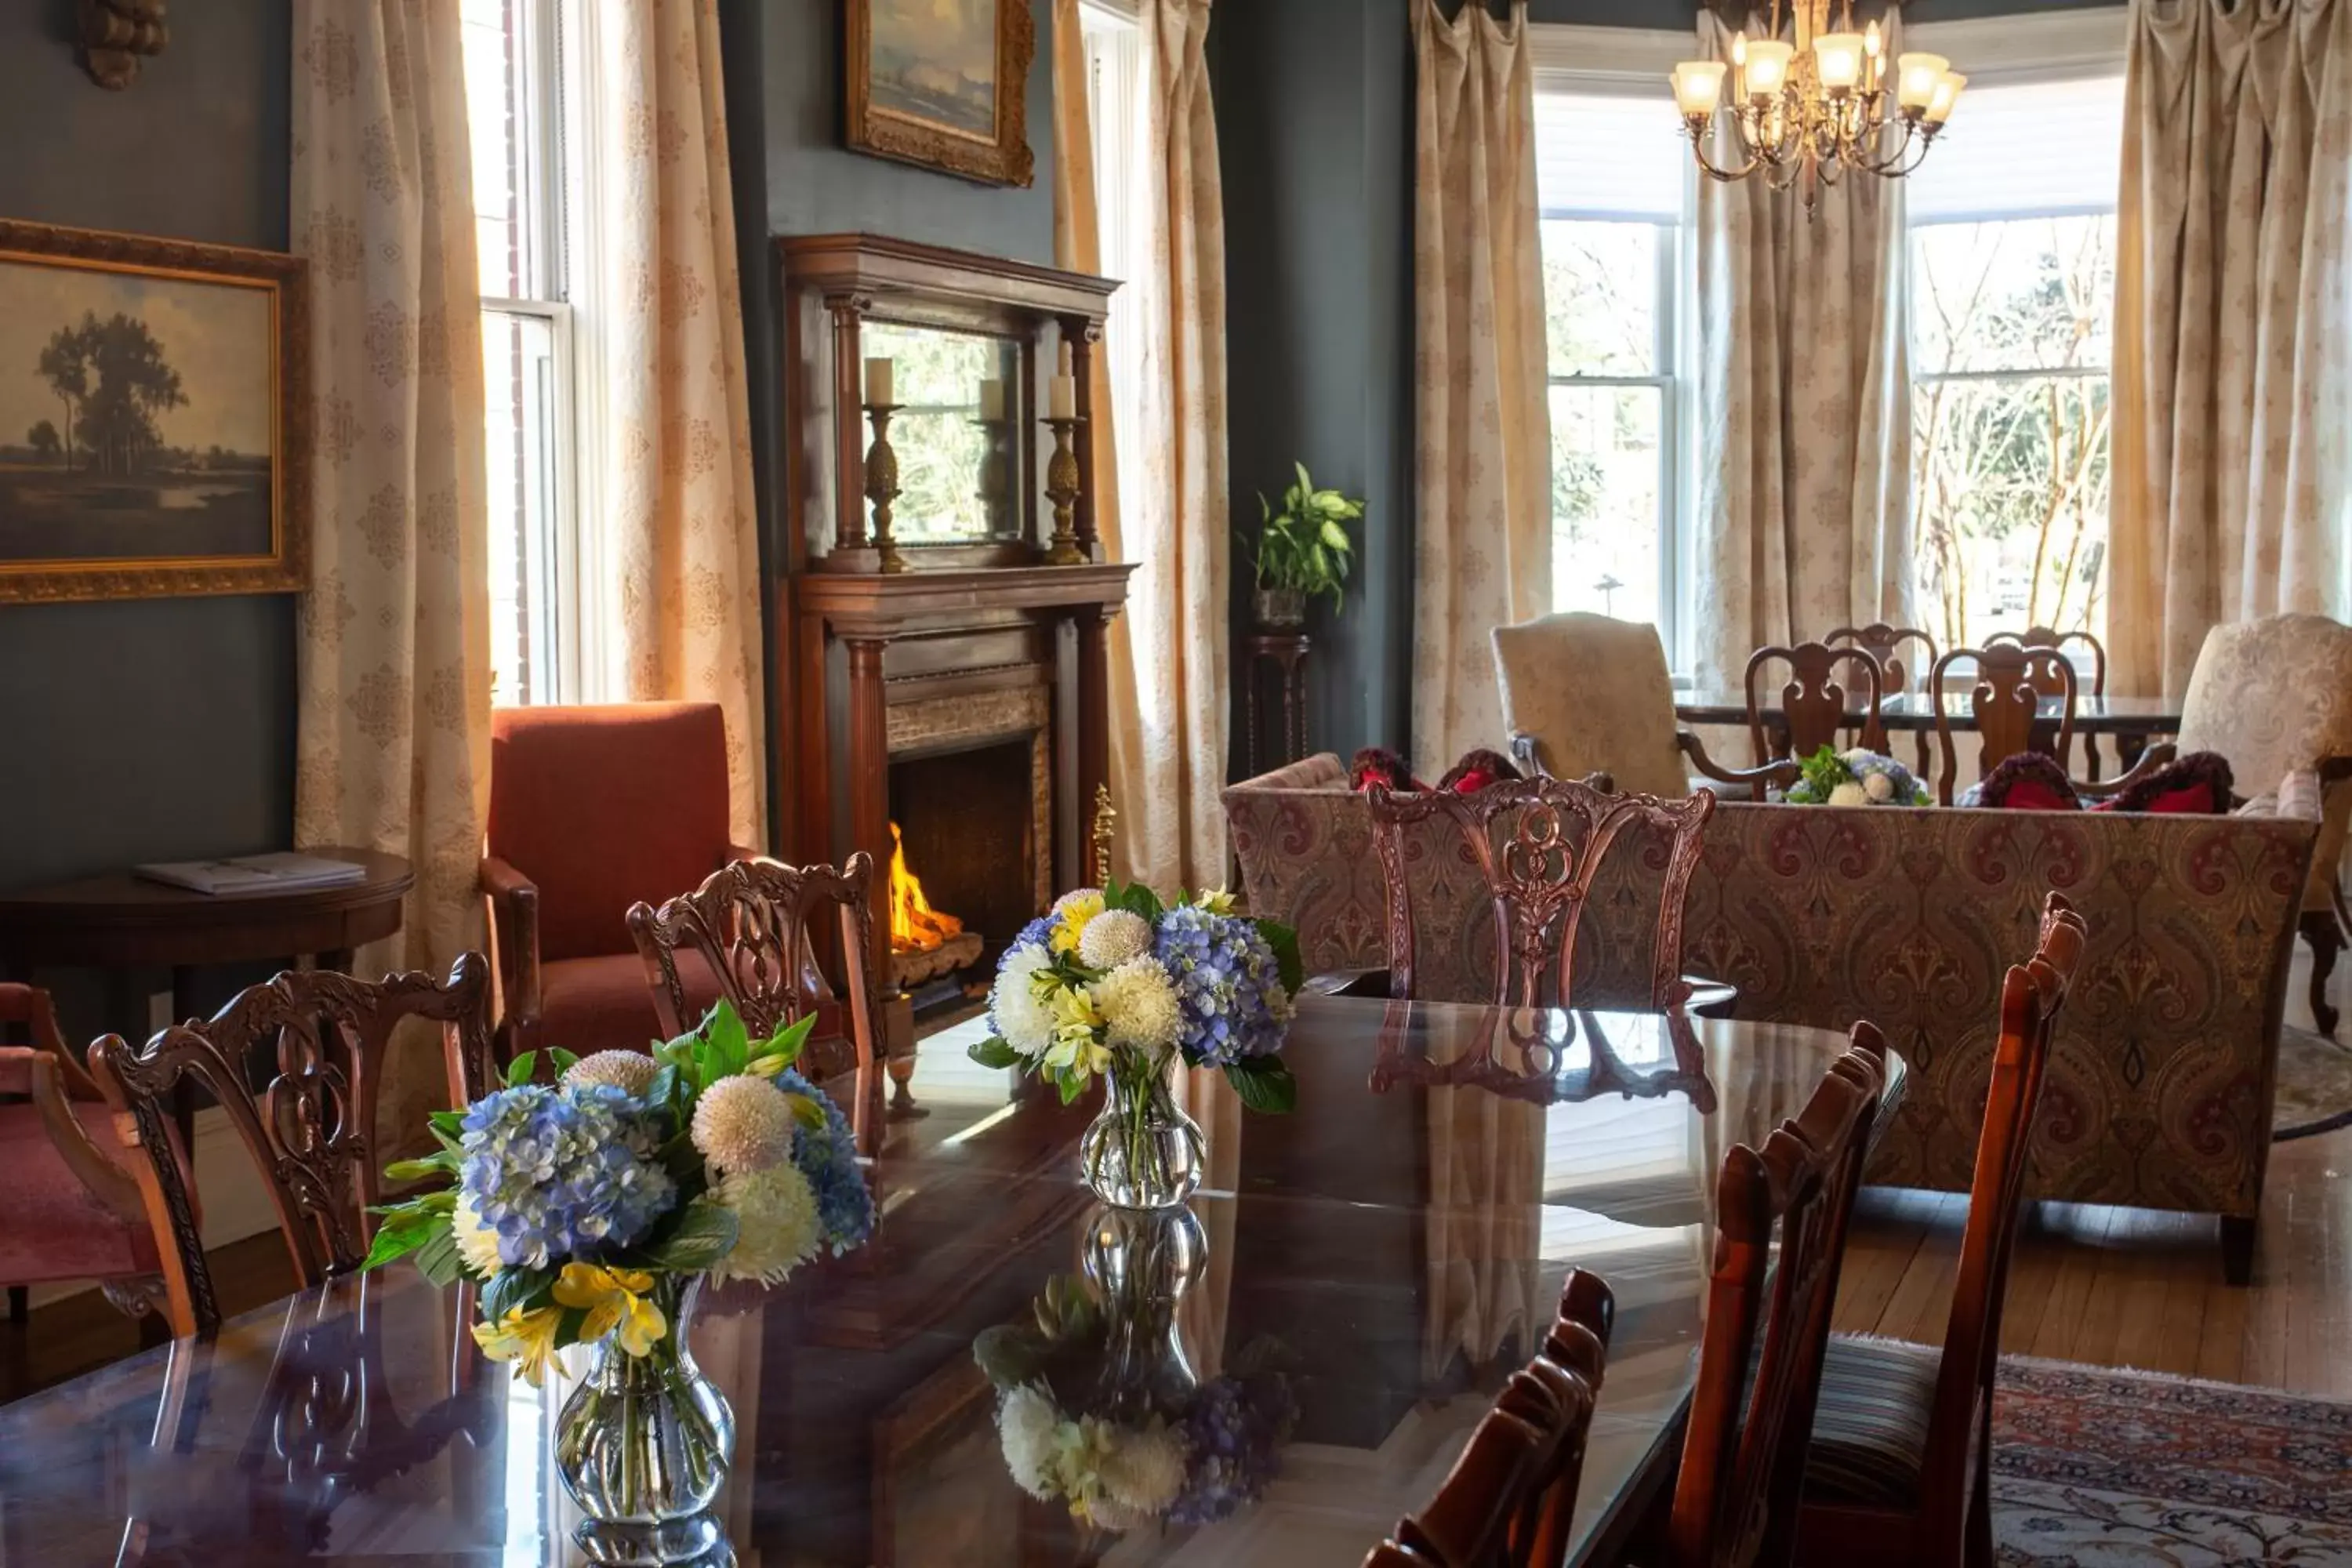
<point x="617" y="1303"/>
<point x="1217" y="901"/>
<point x="1070" y="922"/>
<point x="524" y="1337"/>
<point x="1077" y="1032"/>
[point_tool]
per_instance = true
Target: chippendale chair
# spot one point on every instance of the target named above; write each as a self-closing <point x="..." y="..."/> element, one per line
<point x="1880" y="641"/>
<point x="1510" y="1499"/>
<point x="749" y="925"/>
<point x="2043" y="636"/>
<point x="2006" y="700"/>
<point x="1814" y="703"/>
<point x="311" y="1131"/>
<point x="591" y="810"/>
<point x="1767" y="1320"/>
<point x="1539" y="878"/>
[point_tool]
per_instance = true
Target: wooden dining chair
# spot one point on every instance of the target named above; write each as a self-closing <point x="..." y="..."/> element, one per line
<point x="749" y="925"/>
<point x="2006" y="701"/>
<point x="2044" y="637"/>
<point x="1882" y="642"/>
<point x="1781" y="1214"/>
<point x="1539" y="879"/>
<point x="310" y="1131"/>
<point x="1813" y="711"/>
<point x="1901" y="1446"/>
<point x="1510" y="1500"/>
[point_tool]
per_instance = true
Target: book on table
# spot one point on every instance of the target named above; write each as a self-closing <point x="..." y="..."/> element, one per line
<point x="288" y="871"/>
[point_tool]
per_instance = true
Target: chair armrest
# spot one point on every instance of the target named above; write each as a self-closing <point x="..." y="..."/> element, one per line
<point x="2161" y="754"/>
<point x="1783" y="772"/>
<point x="108" y="1182"/>
<point x="1523" y="754"/>
<point x="514" y="914"/>
<point x="1347" y="983"/>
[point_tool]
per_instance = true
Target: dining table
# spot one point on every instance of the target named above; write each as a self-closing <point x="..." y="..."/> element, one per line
<point x="1358" y="1278"/>
<point x="2128" y="722"/>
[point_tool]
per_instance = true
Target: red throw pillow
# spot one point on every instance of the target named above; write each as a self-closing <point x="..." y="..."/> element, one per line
<point x="2029" y="781"/>
<point x="1477" y="770"/>
<point x="2198" y="784"/>
<point x="1379" y="765"/>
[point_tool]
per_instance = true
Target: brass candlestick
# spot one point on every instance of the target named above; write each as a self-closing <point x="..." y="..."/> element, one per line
<point x="882" y="485"/>
<point x="1062" y="489"/>
<point x="1105" y="819"/>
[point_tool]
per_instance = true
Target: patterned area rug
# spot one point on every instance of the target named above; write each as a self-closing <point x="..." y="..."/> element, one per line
<point x="2314" y="1085"/>
<point x="2099" y="1469"/>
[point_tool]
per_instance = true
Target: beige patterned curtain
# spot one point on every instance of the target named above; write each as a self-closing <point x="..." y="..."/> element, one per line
<point x="1077" y="241"/>
<point x="667" y="424"/>
<point x="1486" y="1228"/>
<point x="1482" y="408"/>
<point x="1805" y="511"/>
<point x="2233" y="335"/>
<point x="392" y="748"/>
<point x="1168" y="660"/>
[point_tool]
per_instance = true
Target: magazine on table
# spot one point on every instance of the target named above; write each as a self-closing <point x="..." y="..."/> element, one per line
<point x="287" y="871"/>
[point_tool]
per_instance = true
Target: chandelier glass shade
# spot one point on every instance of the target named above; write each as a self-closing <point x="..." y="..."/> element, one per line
<point x="1808" y="109"/>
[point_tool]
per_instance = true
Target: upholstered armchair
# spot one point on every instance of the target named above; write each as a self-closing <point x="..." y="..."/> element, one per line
<point x="594" y="809"/>
<point x="1585" y="694"/>
<point x="73" y="1206"/>
<point x="2274" y="697"/>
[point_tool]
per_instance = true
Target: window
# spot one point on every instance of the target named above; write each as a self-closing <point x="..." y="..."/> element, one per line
<point x="2013" y="271"/>
<point x="1614" y="258"/>
<point x="513" y="106"/>
<point x="1123" y="181"/>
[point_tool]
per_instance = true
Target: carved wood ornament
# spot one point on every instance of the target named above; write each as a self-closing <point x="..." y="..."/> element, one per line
<point x="116" y="35"/>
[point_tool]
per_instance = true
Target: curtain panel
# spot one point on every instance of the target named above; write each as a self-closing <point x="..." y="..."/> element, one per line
<point x="2232" y="333"/>
<point x="1482" y="410"/>
<point x="392" y="739"/>
<point x="674" y="579"/>
<point x="1804" y="517"/>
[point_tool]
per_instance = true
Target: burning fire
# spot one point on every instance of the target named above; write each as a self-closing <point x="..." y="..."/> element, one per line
<point x="915" y="926"/>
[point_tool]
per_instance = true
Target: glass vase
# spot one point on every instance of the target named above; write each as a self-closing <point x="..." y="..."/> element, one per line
<point x="1140" y="1263"/>
<point x="1143" y="1151"/>
<point x="645" y="1440"/>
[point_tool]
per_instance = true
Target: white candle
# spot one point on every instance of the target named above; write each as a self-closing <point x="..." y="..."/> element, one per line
<point x="878" y="381"/>
<point x="1065" y="367"/>
<point x="1065" y="401"/>
<point x="991" y="400"/>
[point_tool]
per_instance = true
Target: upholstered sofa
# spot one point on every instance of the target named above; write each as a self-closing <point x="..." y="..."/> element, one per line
<point x="2159" y="1094"/>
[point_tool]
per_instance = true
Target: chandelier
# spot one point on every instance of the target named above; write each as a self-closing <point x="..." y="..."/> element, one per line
<point x="1807" y="112"/>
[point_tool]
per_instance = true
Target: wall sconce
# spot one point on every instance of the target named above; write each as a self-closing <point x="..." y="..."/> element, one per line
<point x="116" y="34"/>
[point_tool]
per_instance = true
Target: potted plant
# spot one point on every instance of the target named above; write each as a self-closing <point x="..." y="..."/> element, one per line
<point x="1302" y="552"/>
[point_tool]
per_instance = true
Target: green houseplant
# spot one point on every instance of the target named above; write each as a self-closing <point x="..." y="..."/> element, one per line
<point x="1302" y="552"/>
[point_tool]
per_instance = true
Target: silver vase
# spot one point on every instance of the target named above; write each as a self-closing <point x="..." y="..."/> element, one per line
<point x="645" y="1440"/>
<point x="1143" y="1151"/>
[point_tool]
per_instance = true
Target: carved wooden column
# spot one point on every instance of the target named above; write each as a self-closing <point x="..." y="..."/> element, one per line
<point x="869" y="781"/>
<point x="848" y="420"/>
<point x="1082" y="334"/>
<point x="1093" y="622"/>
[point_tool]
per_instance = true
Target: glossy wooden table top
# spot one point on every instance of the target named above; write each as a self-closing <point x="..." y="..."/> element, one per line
<point x="1916" y="711"/>
<point x="1386" y="1247"/>
<point x="121" y="918"/>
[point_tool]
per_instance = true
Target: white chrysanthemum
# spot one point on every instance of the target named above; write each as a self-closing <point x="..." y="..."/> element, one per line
<point x="1877" y="786"/>
<point x="1849" y="794"/>
<point x="743" y="1123"/>
<point x="1144" y="1470"/>
<point x="1138" y="1001"/>
<point x="477" y="1244"/>
<point x="1113" y="938"/>
<point x="1025" y="1023"/>
<point x="632" y="1072"/>
<point x="1028" y="1426"/>
<point x="1856" y="756"/>
<point x="776" y="1224"/>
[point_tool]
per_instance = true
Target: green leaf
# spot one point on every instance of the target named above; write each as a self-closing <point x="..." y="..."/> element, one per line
<point x="788" y="1042"/>
<point x="1284" y="942"/>
<point x="807" y="1111"/>
<point x="1336" y="538"/>
<point x="443" y="1162"/>
<point x="404" y="1230"/>
<point x="663" y="1086"/>
<point x="992" y="1052"/>
<point x="726" y="1045"/>
<point x="565" y="1060"/>
<point x="705" y="1231"/>
<point x="515" y="1287"/>
<point x="1135" y="898"/>
<point x="519" y="1070"/>
<point x="449" y="1126"/>
<point x="437" y="1260"/>
<point x="1264" y="1083"/>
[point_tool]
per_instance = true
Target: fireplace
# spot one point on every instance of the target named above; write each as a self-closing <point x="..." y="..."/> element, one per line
<point x="971" y="823"/>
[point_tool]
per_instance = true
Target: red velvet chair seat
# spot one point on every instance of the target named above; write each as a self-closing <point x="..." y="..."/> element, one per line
<point x="56" y="1229"/>
<point x="588" y="1004"/>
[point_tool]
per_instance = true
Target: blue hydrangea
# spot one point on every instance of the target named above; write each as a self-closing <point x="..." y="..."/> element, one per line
<point x="1233" y="1436"/>
<point x="1228" y="985"/>
<point x="845" y="1205"/>
<point x="560" y="1172"/>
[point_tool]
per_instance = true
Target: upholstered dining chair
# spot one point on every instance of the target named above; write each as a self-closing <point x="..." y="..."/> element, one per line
<point x="1510" y="1499"/>
<point x="749" y="925"/>
<point x="1585" y="694"/>
<point x="2006" y="701"/>
<point x="1901" y="1434"/>
<point x="594" y="809"/>
<point x="74" y="1211"/>
<point x="1812" y="703"/>
<point x="310" y="1131"/>
<point x="1767" y="1320"/>
<point x="2274" y="697"/>
<point x="1538" y="846"/>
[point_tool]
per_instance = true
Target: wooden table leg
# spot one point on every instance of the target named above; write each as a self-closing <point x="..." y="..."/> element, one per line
<point x="338" y="959"/>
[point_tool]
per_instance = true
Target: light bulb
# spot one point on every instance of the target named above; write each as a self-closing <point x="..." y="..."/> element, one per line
<point x="1698" y="88"/>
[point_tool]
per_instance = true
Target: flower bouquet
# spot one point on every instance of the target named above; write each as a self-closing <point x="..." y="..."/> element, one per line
<point x="1116" y="984"/>
<point x="1858" y="777"/>
<point x="588" y="1211"/>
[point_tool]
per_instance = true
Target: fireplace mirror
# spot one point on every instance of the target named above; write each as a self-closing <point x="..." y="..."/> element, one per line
<point x="960" y="403"/>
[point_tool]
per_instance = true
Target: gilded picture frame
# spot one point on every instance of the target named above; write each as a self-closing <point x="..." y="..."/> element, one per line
<point x="943" y="84"/>
<point x="152" y="434"/>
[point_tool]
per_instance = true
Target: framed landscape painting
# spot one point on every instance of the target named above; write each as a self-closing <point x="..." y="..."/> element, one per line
<point x="943" y="83"/>
<point x="149" y="437"/>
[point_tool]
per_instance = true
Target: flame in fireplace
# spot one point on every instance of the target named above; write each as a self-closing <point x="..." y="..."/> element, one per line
<point x="915" y="926"/>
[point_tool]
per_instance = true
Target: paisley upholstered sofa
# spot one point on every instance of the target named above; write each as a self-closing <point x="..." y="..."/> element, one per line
<point x="2159" y="1094"/>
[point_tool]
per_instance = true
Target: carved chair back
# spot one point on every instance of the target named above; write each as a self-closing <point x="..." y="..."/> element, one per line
<point x="750" y="922"/>
<point x="310" y="1131"/>
<point x="1539" y="877"/>
<point x="1880" y="641"/>
<point x="1510" y="1499"/>
<point x="1534" y="1070"/>
<point x="1737" y="1499"/>
<point x="1813" y="702"/>
<point x="2043" y="636"/>
<point x="2006" y="701"/>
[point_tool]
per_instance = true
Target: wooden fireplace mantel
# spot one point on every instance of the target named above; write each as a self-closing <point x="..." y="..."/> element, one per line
<point x="865" y="605"/>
